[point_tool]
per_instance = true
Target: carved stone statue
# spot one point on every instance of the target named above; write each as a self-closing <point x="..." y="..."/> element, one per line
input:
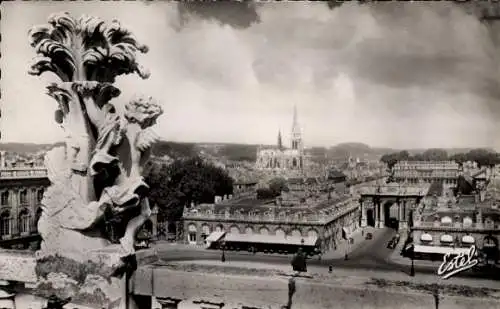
<point x="97" y="177"/>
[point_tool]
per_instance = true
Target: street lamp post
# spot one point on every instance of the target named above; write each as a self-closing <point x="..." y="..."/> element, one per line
<point x="223" y="256"/>
<point x="412" y="269"/>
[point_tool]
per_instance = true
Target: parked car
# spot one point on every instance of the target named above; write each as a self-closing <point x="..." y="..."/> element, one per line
<point x="392" y="244"/>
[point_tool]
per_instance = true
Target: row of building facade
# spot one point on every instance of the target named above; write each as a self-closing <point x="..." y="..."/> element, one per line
<point x="21" y="195"/>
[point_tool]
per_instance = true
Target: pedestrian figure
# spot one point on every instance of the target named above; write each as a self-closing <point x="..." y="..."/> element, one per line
<point x="299" y="261"/>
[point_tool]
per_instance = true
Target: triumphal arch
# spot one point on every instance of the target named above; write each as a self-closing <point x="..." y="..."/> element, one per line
<point x="390" y="204"/>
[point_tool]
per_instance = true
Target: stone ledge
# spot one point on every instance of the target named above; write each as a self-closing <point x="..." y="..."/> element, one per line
<point x="144" y="275"/>
<point x="17" y="265"/>
<point x="271" y="292"/>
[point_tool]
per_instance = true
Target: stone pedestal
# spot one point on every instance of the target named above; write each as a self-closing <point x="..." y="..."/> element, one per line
<point x="100" y="282"/>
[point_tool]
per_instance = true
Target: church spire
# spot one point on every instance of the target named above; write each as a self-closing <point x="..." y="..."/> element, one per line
<point x="296" y="134"/>
<point x="295" y="125"/>
<point x="280" y="142"/>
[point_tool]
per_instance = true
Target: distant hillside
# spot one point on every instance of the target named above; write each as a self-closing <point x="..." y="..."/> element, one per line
<point x="243" y="152"/>
<point x="27" y="147"/>
<point x="356" y="150"/>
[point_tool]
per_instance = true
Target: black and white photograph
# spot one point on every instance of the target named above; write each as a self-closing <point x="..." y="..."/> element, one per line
<point x="249" y="154"/>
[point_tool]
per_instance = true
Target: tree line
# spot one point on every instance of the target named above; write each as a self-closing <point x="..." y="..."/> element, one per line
<point x="483" y="157"/>
<point x="185" y="181"/>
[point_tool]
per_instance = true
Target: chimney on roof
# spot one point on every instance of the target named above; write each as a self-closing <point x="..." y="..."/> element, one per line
<point x="217" y="199"/>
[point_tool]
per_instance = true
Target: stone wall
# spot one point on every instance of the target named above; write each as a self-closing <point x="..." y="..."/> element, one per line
<point x="237" y="291"/>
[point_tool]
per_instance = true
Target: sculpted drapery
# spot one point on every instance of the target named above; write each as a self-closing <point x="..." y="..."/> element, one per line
<point x="98" y="172"/>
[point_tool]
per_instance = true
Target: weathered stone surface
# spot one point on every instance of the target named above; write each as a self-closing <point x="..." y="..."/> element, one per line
<point x="271" y="291"/>
<point x="17" y="266"/>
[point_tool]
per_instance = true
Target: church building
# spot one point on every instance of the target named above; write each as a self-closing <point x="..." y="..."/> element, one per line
<point x="279" y="157"/>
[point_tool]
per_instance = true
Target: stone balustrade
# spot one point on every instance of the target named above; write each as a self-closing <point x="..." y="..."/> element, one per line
<point x="308" y="218"/>
<point x="28" y="172"/>
<point x="455" y="226"/>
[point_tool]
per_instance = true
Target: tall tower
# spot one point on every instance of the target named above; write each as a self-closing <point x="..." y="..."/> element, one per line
<point x="296" y="132"/>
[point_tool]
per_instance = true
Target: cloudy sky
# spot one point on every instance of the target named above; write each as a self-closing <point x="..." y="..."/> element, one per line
<point x="403" y="75"/>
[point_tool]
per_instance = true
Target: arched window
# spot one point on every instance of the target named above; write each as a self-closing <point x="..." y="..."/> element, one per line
<point x="5" y="198"/>
<point x="39" y="196"/>
<point x="234" y="230"/>
<point x="24" y="221"/>
<point x="296" y="233"/>
<point x="446" y="220"/>
<point x="312" y="233"/>
<point x="249" y="230"/>
<point x="5" y="224"/>
<point x="264" y="231"/>
<point x="468" y="240"/>
<point x="205" y="229"/>
<point x="23" y="197"/>
<point x="426" y="238"/>
<point x="467" y="222"/>
<point x="219" y="228"/>
<point x="279" y="232"/>
<point x="446" y="239"/>
<point x="192" y="233"/>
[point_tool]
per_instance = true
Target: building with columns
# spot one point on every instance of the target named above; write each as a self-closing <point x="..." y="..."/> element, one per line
<point x="380" y="204"/>
<point x="280" y="157"/>
<point x="21" y="193"/>
<point x="321" y="219"/>
<point x="414" y="172"/>
<point x="452" y="223"/>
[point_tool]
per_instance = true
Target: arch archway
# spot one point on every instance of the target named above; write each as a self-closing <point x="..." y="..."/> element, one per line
<point x="296" y="233"/>
<point x="264" y="231"/>
<point x="234" y="229"/>
<point x="279" y="232"/>
<point x="312" y="233"/>
<point x="249" y="230"/>
<point x="370" y="217"/>
<point x="219" y="228"/>
<point x="391" y="216"/>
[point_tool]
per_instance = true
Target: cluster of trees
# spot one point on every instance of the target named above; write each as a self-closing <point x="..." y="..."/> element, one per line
<point x="174" y="149"/>
<point x="236" y="152"/>
<point x="185" y="181"/>
<point x="483" y="157"/>
<point x="274" y="189"/>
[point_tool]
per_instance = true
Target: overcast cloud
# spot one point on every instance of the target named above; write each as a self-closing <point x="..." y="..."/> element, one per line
<point x="403" y="75"/>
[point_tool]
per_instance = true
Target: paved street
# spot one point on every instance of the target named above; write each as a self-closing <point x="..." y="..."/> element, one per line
<point x="369" y="255"/>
